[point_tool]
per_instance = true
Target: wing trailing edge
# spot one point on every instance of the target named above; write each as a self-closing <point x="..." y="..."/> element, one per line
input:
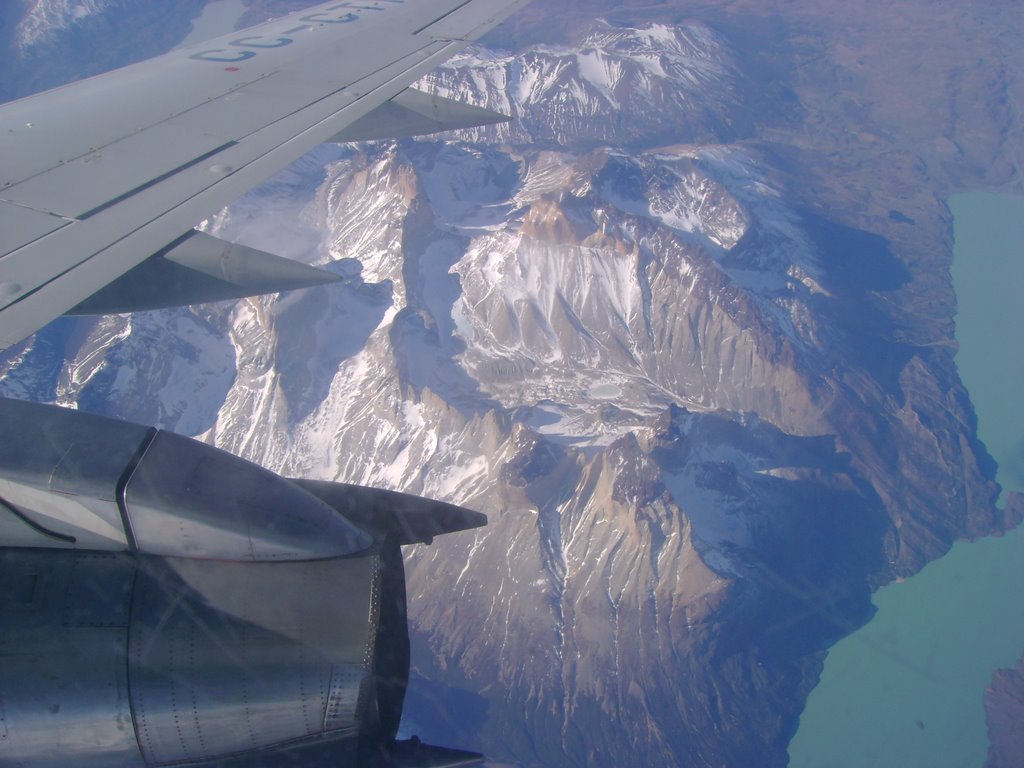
<point x="199" y="268"/>
<point x="415" y="113"/>
<point x="99" y="174"/>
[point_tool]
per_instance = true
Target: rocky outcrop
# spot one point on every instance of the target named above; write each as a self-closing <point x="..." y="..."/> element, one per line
<point x="1004" y="709"/>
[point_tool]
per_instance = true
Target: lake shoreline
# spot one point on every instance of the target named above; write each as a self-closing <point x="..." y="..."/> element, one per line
<point x="915" y="677"/>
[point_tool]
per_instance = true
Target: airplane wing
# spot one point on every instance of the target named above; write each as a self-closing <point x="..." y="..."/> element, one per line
<point x="101" y="181"/>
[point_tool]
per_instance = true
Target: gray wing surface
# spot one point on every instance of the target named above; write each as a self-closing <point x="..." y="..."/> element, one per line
<point x="99" y="175"/>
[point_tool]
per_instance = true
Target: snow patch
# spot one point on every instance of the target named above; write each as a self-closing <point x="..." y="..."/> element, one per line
<point x="46" y="17"/>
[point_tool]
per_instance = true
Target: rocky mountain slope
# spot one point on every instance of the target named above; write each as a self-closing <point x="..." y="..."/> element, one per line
<point x="1004" y="708"/>
<point x="702" y="409"/>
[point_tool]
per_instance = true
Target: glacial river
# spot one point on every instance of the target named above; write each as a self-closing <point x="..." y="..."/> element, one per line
<point x="907" y="689"/>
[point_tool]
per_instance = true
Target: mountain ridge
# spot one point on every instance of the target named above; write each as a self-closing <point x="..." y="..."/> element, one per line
<point x="706" y="408"/>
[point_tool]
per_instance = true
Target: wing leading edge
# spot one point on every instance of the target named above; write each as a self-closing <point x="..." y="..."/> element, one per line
<point x="99" y="175"/>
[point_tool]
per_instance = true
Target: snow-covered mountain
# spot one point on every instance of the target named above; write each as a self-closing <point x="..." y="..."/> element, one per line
<point x="606" y="325"/>
<point x="45" y="43"/>
<point x="46" y="17"/>
<point x="613" y="86"/>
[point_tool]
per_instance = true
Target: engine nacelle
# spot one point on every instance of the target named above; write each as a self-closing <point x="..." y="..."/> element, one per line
<point x="172" y="619"/>
<point x="117" y="659"/>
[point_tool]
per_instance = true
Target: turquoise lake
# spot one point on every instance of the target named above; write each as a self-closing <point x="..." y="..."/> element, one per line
<point x="907" y="689"/>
